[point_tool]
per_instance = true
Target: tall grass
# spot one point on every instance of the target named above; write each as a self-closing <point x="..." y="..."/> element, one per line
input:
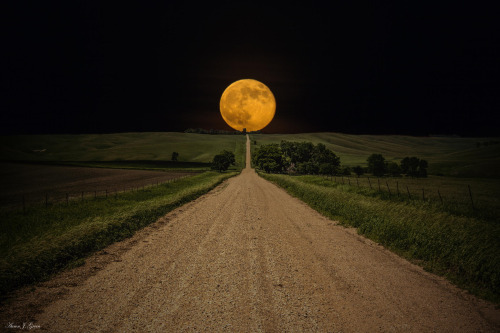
<point x="465" y="249"/>
<point x="42" y="241"/>
<point x="453" y="196"/>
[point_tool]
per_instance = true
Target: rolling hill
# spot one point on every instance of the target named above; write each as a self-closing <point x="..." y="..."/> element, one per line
<point x="450" y="156"/>
<point x="148" y="148"/>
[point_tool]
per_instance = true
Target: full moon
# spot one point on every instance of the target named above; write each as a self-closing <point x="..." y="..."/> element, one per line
<point x="247" y="104"/>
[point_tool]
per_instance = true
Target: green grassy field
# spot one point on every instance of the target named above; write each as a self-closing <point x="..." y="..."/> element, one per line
<point x="42" y="241"/>
<point x="134" y="164"/>
<point x="442" y="231"/>
<point x="450" y="193"/>
<point x="464" y="248"/>
<point x="450" y="239"/>
<point x="150" y="150"/>
<point x="449" y="156"/>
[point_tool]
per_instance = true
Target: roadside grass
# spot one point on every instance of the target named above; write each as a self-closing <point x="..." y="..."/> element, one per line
<point x="122" y="149"/>
<point x="465" y="249"/>
<point x="445" y="193"/>
<point x="42" y="241"/>
<point x="448" y="156"/>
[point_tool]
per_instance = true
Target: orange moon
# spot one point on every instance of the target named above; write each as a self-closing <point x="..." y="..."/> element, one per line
<point x="248" y="104"/>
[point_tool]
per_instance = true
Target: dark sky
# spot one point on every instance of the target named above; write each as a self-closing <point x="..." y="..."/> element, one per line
<point x="352" y="67"/>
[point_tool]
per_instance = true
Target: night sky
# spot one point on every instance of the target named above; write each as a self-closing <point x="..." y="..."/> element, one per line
<point x="352" y="67"/>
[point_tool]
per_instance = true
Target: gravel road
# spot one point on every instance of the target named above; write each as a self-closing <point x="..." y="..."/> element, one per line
<point x="248" y="257"/>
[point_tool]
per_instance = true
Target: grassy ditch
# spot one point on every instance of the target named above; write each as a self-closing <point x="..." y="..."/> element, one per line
<point x="465" y="249"/>
<point x="448" y="194"/>
<point x="35" y="245"/>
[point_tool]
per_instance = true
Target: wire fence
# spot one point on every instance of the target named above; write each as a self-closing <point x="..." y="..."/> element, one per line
<point x="25" y="200"/>
<point x="413" y="189"/>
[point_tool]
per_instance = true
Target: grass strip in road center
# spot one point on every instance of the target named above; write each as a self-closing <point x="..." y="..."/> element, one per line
<point x="465" y="249"/>
<point x="36" y="244"/>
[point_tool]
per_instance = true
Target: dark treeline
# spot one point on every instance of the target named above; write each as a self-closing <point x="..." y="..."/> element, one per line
<point x="305" y="158"/>
<point x="297" y="157"/>
<point x="409" y="166"/>
<point x="220" y="132"/>
<point x="487" y="143"/>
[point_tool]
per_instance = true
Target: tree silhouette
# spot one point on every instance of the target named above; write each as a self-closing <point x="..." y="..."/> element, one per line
<point x="358" y="170"/>
<point x="414" y="167"/>
<point x="376" y="164"/>
<point x="220" y="163"/>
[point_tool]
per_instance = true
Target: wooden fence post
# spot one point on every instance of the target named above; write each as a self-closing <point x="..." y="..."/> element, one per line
<point x="378" y="180"/>
<point x="440" y="197"/>
<point x="470" y="194"/>
<point x="397" y="187"/>
<point x="370" y="183"/>
<point x="388" y="189"/>
<point x="408" y="190"/>
<point x="357" y="181"/>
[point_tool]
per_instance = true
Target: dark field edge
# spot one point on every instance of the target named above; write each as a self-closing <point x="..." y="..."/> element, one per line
<point x="461" y="249"/>
<point x="44" y="265"/>
<point x="135" y="164"/>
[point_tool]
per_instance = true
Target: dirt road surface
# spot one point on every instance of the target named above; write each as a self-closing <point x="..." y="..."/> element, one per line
<point x="247" y="257"/>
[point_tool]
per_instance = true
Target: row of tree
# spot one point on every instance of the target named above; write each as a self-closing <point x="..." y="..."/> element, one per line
<point x="211" y="131"/>
<point x="307" y="158"/>
<point x="218" y="132"/>
<point x="410" y="166"/>
<point x="297" y="157"/>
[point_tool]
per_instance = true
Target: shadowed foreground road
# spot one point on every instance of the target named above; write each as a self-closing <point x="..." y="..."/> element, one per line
<point x="248" y="257"/>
